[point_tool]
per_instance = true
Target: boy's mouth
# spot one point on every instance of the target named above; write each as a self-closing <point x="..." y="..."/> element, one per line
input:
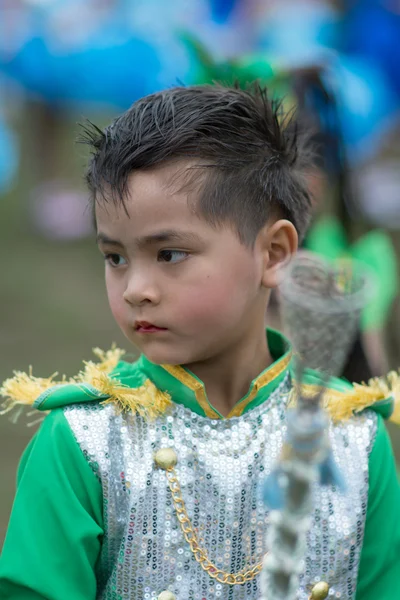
<point x="146" y="327"/>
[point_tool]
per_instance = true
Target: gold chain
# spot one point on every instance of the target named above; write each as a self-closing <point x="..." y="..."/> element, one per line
<point x="190" y="536"/>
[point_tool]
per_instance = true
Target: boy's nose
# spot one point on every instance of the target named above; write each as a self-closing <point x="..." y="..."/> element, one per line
<point x="140" y="289"/>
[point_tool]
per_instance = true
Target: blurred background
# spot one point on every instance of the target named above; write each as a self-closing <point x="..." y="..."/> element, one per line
<point x="62" y="61"/>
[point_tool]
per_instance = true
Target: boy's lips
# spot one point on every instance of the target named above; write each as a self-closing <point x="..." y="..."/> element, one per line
<point x="146" y="327"/>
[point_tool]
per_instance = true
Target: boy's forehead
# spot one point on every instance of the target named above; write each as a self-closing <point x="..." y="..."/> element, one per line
<point x="165" y="179"/>
<point x="161" y="194"/>
<point x="174" y="177"/>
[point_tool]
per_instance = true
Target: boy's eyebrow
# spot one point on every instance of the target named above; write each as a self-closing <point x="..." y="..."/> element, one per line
<point x="167" y="235"/>
<point x="102" y="238"/>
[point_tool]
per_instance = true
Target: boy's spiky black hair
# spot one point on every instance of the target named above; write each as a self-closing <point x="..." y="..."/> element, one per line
<point x="250" y="152"/>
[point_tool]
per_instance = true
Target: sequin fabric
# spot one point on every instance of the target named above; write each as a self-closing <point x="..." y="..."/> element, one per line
<point x="220" y="466"/>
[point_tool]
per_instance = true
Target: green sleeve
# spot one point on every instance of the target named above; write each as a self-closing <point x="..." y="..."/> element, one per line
<point x="54" y="535"/>
<point x="379" y="574"/>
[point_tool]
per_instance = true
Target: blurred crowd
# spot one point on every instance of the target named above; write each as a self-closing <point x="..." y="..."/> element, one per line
<point x="337" y="61"/>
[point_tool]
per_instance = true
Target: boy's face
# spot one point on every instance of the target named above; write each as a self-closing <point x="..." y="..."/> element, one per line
<point x="181" y="290"/>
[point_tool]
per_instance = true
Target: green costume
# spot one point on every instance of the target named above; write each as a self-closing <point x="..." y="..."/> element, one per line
<point x="95" y="516"/>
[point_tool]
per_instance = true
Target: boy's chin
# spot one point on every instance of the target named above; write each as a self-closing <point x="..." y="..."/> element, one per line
<point x="162" y="358"/>
<point x="165" y="357"/>
<point x="170" y="353"/>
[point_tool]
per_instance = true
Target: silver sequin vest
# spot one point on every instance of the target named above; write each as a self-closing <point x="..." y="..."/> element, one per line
<point x="220" y="466"/>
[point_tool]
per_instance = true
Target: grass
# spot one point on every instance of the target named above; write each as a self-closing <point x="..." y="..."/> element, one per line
<point x="53" y="306"/>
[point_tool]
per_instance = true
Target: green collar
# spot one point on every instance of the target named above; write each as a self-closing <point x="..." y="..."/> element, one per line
<point x="148" y="389"/>
<point x="187" y="389"/>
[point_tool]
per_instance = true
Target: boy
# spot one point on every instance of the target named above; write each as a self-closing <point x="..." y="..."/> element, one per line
<point x="143" y="481"/>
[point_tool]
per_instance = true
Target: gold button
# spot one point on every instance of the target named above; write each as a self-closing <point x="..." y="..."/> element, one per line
<point x="166" y="458"/>
<point x="166" y="596"/>
<point x="319" y="591"/>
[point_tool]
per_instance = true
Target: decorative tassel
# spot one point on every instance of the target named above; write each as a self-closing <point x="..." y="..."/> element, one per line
<point x="108" y="360"/>
<point x="147" y="400"/>
<point x="389" y="386"/>
<point x="23" y="389"/>
<point x="341" y="405"/>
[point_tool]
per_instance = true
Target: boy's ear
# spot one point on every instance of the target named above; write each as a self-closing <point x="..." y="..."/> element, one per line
<point x="278" y="243"/>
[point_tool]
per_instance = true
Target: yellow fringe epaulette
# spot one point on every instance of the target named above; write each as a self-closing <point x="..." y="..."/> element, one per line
<point x="26" y="390"/>
<point x="146" y="400"/>
<point x="341" y="405"/>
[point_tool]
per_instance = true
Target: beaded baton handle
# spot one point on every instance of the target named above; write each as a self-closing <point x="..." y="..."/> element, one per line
<point x="321" y="309"/>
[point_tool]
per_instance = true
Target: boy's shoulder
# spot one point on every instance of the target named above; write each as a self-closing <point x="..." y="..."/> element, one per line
<point x="109" y="380"/>
<point x="343" y="399"/>
<point x="127" y="386"/>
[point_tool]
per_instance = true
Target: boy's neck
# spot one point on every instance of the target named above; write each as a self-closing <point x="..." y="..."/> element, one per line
<point x="227" y="378"/>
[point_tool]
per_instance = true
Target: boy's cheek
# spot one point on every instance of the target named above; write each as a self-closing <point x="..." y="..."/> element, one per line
<point x="117" y="306"/>
<point x="205" y="305"/>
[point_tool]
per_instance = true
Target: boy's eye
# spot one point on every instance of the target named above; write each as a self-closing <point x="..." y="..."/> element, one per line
<point x="115" y="260"/>
<point x="171" y="256"/>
